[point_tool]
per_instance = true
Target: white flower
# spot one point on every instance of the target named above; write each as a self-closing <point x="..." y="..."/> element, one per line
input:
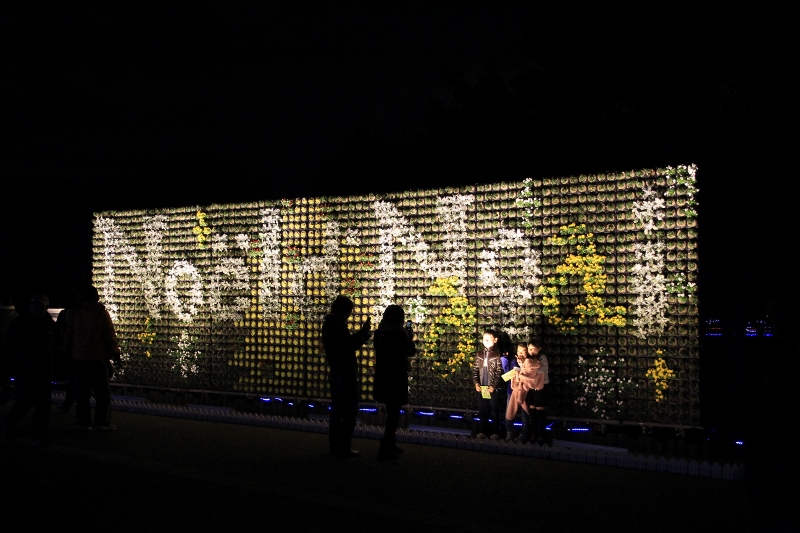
<point x="180" y="270"/>
<point x="512" y="294"/>
<point x="647" y="279"/>
<point x="270" y="263"/>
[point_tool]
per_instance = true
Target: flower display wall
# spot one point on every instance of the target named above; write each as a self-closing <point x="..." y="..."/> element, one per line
<point x="230" y="298"/>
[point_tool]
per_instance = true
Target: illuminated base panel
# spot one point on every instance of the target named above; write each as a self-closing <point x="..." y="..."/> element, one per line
<point x="602" y="268"/>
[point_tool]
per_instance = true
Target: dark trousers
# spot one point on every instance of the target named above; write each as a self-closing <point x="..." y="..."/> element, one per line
<point x="91" y="378"/>
<point x="392" y="421"/>
<point x="525" y="431"/>
<point x="344" y="410"/>
<point x="490" y="413"/>
<point x="70" y="390"/>
<point x="36" y="394"/>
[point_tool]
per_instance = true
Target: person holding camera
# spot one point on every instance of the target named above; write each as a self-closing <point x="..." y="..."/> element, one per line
<point x="340" y="352"/>
<point x="394" y="345"/>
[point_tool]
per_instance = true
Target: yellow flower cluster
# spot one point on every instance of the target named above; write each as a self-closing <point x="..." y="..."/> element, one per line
<point x="147" y="336"/>
<point x="202" y="230"/>
<point x="588" y="266"/>
<point x="660" y="374"/>
<point x="459" y="316"/>
<point x="572" y="235"/>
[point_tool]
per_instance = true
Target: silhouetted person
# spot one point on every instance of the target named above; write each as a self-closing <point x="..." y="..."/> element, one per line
<point x="92" y="341"/>
<point x="7" y="313"/>
<point x="31" y="351"/>
<point x="394" y="345"/>
<point x="65" y="369"/>
<point x="340" y="353"/>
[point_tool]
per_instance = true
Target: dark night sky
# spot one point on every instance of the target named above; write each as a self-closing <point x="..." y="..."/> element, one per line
<point x="121" y="109"/>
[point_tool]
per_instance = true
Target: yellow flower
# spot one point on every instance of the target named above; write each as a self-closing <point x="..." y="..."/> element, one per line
<point x="660" y="374"/>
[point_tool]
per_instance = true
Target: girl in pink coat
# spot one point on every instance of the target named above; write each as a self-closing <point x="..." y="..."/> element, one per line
<point x="527" y="378"/>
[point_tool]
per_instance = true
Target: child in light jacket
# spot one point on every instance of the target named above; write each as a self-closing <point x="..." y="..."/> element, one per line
<point x="527" y="378"/>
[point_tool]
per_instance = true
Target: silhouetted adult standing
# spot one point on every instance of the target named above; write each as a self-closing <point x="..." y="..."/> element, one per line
<point x="340" y="352"/>
<point x="64" y="367"/>
<point x="394" y="345"/>
<point x="7" y="313"/>
<point x="92" y="340"/>
<point x="31" y="351"/>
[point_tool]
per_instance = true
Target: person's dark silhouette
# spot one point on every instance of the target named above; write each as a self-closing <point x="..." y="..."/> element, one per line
<point x="65" y="369"/>
<point x="92" y="341"/>
<point x="340" y="352"/>
<point x="7" y="313"/>
<point x="31" y="350"/>
<point x="394" y="345"/>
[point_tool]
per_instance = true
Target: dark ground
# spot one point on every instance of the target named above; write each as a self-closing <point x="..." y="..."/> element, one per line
<point x="157" y="473"/>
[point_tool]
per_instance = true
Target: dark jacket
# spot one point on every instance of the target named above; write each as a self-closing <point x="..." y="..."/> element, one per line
<point x="89" y="334"/>
<point x="31" y="347"/>
<point x="340" y="346"/>
<point x="494" y="366"/>
<point x="393" y="347"/>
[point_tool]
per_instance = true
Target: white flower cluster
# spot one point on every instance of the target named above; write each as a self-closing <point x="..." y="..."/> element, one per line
<point x="417" y="310"/>
<point x="219" y="243"/>
<point x="649" y="209"/>
<point x="228" y="279"/>
<point x="511" y="296"/>
<point x="601" y="385"/>
<point x="242" y="241"/>
<point x="149" y="274"/>
<point x="179" y="271"/>
<point x="452" y="211"/>
<point x="270" y="290"/>
<point x="678" y="286"/>
<point x="528" y="203"/>
<point x="395" y="229"/>
<point x="314" y="307"/>
<point x="351" y="237"/>
<point x="155" y="228"/>
<point x="649" y="285"/>
<point x="682" y="182"/>
<point x="647" y="278"/>
<point x="185" y="356"/>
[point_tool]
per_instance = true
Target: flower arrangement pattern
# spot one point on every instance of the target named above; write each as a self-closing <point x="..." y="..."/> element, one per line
<point x="458" y="316"/>
<point x="252" y="290"/>
<point x="660" y="374"/>
<point x="648" y="281"/>
<point x="587" y="268"/>
<point x="202" y="230"/>
<point x="601" y="385"/>
<point x="512" y="294"/>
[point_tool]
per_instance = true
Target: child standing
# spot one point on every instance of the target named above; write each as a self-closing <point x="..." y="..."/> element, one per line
<point x="509" y="361"/>
<point x="527" y="378"/>
<point x="537" y="398"/>
<point x="487" y="376"/>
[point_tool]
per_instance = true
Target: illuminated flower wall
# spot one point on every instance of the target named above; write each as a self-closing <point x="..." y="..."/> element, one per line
<point x="230" y="298"/>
